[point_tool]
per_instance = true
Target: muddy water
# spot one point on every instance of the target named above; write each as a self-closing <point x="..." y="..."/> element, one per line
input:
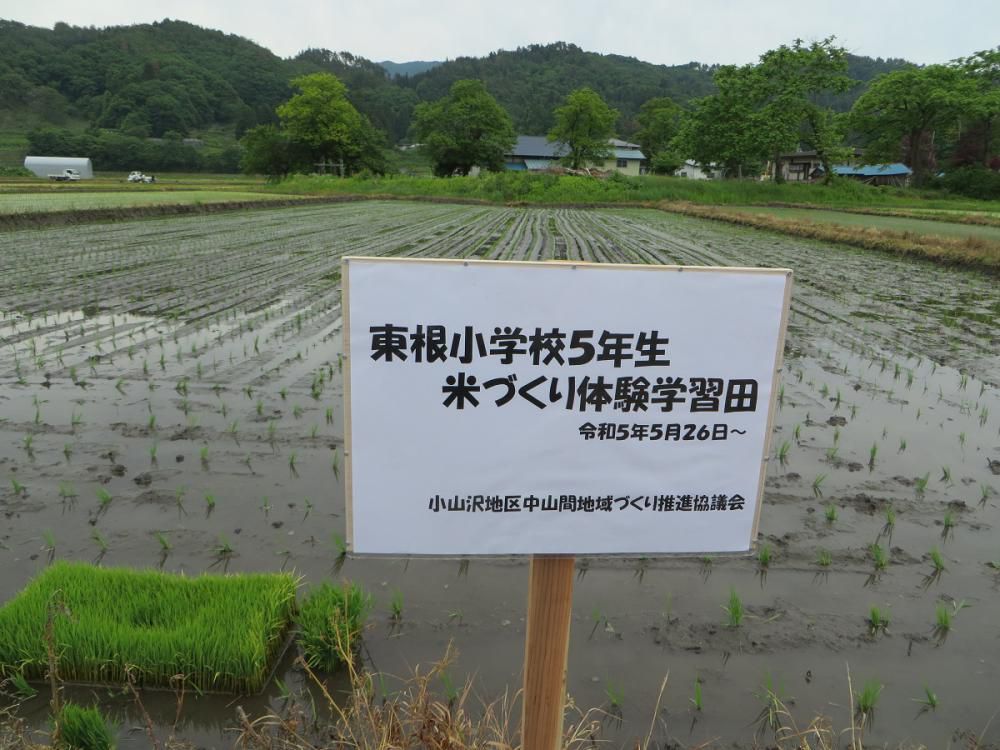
<point x="128" y="349"/>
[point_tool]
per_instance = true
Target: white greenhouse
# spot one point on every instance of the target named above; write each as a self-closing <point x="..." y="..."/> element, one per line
<point x="45" y="166"/>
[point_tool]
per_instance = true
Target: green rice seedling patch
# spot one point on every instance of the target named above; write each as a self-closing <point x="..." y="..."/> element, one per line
<point x="222" y="632"/>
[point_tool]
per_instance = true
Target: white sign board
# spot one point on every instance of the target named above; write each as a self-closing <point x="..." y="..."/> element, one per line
<point x="499" y="408"/>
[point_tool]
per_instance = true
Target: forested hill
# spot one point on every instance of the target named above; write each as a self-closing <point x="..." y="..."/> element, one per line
<point x="152" y="79"/>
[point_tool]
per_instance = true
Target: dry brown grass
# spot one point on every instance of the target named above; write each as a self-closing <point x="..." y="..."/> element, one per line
<point x="973" y="252"/>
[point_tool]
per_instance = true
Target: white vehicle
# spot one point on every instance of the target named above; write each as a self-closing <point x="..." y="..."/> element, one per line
<point x="67" y="175"/>
<point x="140" y="177"/>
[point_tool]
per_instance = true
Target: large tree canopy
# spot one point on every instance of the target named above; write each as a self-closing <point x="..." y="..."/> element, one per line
<point x="769" y="107"/>
<point x="584" y="123"/>
<point x="659" y="122"/>
<point x="902" y="112"/>
<point x="318" y="125"/>
<point x="464" y="129"/>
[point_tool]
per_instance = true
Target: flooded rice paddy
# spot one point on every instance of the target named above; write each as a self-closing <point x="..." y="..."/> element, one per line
<point x="167" y="362"/>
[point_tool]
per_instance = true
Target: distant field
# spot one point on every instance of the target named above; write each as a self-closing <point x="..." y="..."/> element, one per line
<point x="11" y="203"/>
<point x="890" y="223"/>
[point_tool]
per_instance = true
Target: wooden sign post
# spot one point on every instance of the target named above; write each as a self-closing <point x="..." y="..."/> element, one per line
<point x="479" y="395"/>
<point x="546" y="652"/>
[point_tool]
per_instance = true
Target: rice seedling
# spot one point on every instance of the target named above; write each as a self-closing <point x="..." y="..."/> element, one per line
<point x="830" y="513"/>
<point x="266" y="507"/>
<point x="764" y="557"/>
<point x="102" y="545"/>
<point x="880" y="558"/>
<point x="797" y="432"/>
<point x="260" y="407"/>
<point x="946" y="475"/>
<point x="151" y="423"/>
<point x="920" y="483"/>
<point x="396" y="606"/>
<point x="67" y="450"/>
<point x="66" y="491"/>
<point x="984" y="494"/>
<point x="961" y="440"/>
<point x="49" y="545"/>
<point x="297" y="411"/>
<point x="865" y="703"/>
<point x="19" y="489"/>
<point x="831" y="454"/>
<point x="929" y="701"/>
<point x="76" y="419"/>
<point x="890" y="524"/>
<point x="781" y="396"/>
<point x="616" y="699"/>
<point x="783" y="452"/>
<point x="222" y="632"/>
<point x="283" y="393"/>
<point x="292" y="458"/>
<point x="179" y="501"/>
<point x="331" y="620"/>
<point x="817" y="485"/>
<point x="872" y="453"/>
<point x="28" y="443"/>
<point x="222" y="549"/>
<point x="314" y="431"/>
<point x="697" y="700"/>
<point x="154" y="447"/>
<point x="103" y="499"/>
<point x="78" y="728"/>
<point x="942" y="622"/>
<point x="734" y="610"/>
<point x="902" y="445"/>
<point x="878" y="622"/>
<point x="772" y="710"/>
<point x="336" y="464"/>
<point x="948" y="525"/>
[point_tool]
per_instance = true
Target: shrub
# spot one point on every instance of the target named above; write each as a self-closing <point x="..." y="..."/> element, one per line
<point x="973" y="182"/>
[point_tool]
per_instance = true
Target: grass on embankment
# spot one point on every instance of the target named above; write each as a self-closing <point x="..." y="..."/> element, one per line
<point x="535" y="188"/>
<point x="222" y="632"/>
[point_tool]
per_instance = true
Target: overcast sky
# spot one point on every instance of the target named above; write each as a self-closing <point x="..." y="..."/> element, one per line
<point x="663" y="31"/>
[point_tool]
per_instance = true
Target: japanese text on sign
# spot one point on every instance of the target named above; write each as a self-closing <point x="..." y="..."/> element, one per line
<point x="489" y="378"/>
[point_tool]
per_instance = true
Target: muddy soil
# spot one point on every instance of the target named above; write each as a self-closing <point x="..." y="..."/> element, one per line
<point x="166" y="360"/>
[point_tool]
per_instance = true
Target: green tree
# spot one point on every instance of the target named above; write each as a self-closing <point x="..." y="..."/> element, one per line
<point x="980" y="140"/>
<point x="463" y="129"/>
<point x="321" y="118"/>
<point x="721" y="129"/>
<point x="659" y="122"/>
<point x="583" y="124"/>
<point x="901" y="112"/>
<point x="792" y="80"/>
<point x="267" y="150"/>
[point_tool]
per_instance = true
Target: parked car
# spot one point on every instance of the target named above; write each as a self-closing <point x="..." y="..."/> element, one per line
<point x="67" y="175"/>
<point x="140" y="177"/>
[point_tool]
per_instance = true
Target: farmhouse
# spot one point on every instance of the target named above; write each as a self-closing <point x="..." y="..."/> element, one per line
<point x="534" y="153"/>
<point x="43" y="166"/>
<point x="695" y="171"/>
<point x="803" y="166"/>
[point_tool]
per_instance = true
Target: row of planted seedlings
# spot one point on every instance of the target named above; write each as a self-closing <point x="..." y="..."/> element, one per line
<point x="316" y="263"/>
<point x="81" y="623"/>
